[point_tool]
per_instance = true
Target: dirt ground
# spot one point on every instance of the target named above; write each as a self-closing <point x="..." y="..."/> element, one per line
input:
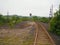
<point x="18" y="36"/>
<point x="22" y="34"/>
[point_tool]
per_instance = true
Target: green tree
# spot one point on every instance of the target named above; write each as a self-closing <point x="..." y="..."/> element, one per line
<point x="44" y="19"/>
<point x="55" y="23"/>
<point x="35" y="18"/>
<point x="1" y="20"/>
<point x="13" y="20"/>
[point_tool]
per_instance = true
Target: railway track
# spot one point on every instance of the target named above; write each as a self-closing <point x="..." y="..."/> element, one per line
<point x="42" y="37"/>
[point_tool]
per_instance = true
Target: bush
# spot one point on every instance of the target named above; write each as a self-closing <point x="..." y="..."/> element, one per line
<point x="55" y="23"/>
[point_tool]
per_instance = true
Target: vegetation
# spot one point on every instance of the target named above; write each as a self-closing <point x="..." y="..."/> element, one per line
<point x="11" y="21"/>
<point x="16" y="40"/>
<point x="44" y="19"/>
<point x="55" y="23"/>
<point x="16" y="37"/>
<point x="41" y="19"/>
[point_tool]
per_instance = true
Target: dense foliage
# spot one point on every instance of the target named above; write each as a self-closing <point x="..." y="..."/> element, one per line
<point x="9" y="20"/>
<point x="44" y="19"/>
<point x="55" y="23"/>
<point x="41" y="19"/>
<point x="12" y="20"/>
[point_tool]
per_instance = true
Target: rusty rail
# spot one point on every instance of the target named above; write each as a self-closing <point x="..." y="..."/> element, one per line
<point x="36" y="33"/>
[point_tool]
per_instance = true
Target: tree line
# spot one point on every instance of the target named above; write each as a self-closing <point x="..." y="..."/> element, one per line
<point x="12" y="20"/>
<point x="55" y="23"/>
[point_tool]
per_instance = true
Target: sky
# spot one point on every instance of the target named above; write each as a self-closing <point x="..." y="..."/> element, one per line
<point x="24" y="7"/>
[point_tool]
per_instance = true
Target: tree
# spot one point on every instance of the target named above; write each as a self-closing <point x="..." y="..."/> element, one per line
<point x="55" y="23"/>
<point x="1" y="20"/>
<point x="35" y="18"/>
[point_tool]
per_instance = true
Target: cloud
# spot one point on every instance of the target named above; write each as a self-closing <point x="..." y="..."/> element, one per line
<point x="24" y="7"/>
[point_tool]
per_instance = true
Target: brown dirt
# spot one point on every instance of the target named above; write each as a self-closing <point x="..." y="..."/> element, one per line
<point x="17" y="36"/>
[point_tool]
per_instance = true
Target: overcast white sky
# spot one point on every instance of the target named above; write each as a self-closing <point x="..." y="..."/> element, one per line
<point x="24" y="7"/>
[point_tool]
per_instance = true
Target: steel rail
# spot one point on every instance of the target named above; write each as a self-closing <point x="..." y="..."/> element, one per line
<point x="36" y="33"/>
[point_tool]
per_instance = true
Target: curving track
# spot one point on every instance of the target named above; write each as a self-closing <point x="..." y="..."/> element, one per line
<point x="42" y="37"/>
<point x="32" y="33"/>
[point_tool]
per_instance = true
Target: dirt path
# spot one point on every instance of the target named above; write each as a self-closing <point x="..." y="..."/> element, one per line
<point x="42" y="37"/>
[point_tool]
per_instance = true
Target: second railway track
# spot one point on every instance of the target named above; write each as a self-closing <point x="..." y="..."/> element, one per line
<point x="42" y="37"/>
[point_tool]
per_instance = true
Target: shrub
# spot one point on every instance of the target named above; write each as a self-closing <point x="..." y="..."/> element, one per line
<point x="55" y="23"/>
